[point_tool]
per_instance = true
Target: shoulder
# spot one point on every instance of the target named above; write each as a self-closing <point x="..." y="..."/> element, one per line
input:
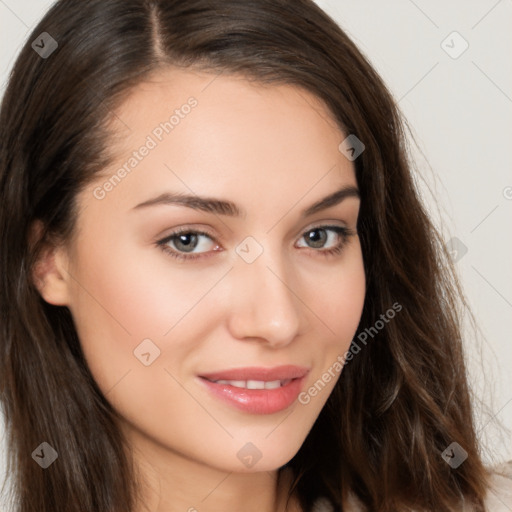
<point x="498" y="499"/>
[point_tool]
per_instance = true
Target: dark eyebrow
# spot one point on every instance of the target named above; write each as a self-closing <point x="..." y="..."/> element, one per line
<point x="224" y="207"/>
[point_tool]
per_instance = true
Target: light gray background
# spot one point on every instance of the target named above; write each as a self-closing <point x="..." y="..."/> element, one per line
<point x="460" y="111"/>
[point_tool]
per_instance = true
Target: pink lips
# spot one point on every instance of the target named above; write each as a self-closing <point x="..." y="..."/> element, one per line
<point x="257" y="401"/>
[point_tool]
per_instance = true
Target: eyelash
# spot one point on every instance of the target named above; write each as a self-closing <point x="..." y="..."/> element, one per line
<point x="343" y="232"/>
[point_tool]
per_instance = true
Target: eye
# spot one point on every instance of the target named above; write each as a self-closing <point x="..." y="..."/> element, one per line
<point x="182" y="243"/>
<point x="318" y="237"/>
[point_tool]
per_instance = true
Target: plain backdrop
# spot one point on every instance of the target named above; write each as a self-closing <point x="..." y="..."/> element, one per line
<point x="448" y="65"/>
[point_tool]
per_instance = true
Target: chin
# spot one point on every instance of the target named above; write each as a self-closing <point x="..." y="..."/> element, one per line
<point x="264" y="453"/>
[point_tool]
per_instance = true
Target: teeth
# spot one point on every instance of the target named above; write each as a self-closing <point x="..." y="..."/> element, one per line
<point x="254" y="384"/>
<point x="235" y="383"/>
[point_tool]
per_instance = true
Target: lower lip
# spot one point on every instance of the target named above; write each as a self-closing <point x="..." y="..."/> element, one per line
<point x="257" y="401"/>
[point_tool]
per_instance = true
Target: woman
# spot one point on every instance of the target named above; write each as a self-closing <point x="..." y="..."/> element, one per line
<point x="226" y="294"/>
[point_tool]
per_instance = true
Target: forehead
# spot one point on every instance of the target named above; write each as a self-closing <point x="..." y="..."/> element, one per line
<point x="176" y="84"/>
<point x="218" y="135"/>
<point x="221" y="104"/>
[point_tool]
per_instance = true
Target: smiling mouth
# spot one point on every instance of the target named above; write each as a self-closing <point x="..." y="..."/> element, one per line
<point x="257" y="390"/>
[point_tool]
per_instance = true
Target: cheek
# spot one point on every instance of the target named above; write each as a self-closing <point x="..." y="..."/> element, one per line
<point x="116" y="304"/>
<point x="340" y="307"/>
<point x="340" y="301"/>
<point x="124" y="296"/>
<point x="122" y="321"/>
<point x="133" y="290"/>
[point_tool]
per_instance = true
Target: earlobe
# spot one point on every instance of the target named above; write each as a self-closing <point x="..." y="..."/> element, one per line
<point x="49" y="273"/>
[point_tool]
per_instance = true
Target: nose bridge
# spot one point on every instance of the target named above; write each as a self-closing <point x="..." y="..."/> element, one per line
<point x="263" y="303"/>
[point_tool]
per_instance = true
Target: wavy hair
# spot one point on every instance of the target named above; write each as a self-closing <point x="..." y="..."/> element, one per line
<point x="396" y="406"/>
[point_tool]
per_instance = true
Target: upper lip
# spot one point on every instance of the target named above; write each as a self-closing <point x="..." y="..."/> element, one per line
<point x="258" y="373"/>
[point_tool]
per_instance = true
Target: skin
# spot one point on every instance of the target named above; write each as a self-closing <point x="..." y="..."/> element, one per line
<point x="273" y="150"/>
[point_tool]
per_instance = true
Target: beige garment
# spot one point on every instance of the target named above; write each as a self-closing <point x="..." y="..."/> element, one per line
<point x="499" y="495"/>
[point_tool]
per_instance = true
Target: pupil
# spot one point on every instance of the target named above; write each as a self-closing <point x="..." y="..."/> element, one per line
<point x="187" y="246"/>
<point x="316" y="239"/>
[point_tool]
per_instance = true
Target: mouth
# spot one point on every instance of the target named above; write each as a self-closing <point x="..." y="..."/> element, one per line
<point x="257" y="390"/>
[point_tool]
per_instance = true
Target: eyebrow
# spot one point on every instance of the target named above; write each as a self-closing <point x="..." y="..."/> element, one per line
<point x="224" y="207"/>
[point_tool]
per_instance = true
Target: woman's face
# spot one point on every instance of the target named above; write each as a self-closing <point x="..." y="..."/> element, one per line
<point x="257" y="293"/>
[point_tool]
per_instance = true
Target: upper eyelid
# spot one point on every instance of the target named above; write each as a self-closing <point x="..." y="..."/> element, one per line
<point x="193" y="229"/>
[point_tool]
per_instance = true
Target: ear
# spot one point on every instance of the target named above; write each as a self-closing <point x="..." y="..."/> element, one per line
<point x="49" y="272"/>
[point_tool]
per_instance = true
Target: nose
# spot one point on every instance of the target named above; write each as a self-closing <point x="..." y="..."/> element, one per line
<point x="264" y="304"/>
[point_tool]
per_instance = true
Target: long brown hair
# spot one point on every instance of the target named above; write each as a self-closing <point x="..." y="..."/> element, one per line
<point x="397" y="405"/>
